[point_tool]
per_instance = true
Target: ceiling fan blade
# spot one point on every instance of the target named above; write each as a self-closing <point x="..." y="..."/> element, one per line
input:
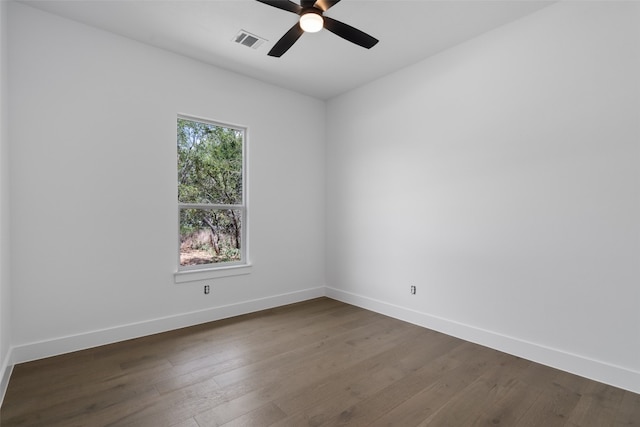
<point x="349" y="33"/>
<point x="287" y="5"/>
<point x="307" y="3"/>
<point x="325" y="4"/>
<point x="286" y="41"/>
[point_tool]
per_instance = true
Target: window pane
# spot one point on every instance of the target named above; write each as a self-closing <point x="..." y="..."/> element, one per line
<point x="209" y="236"/>
<point x="209" y="163"/>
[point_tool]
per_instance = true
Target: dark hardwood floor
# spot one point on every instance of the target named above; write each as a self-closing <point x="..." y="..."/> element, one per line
<point x="317" y="363"/>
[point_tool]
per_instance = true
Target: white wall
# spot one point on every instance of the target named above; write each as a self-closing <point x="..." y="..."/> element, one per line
<point x="5" y="305"/>
<point x="502" y="178"/>
<point x="94" y="217"/>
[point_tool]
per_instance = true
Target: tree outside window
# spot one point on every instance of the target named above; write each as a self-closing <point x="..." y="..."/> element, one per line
<point x="211" y="196"/>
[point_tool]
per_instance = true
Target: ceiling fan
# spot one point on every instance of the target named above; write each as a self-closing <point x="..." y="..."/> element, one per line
<point x="312" y="20"/>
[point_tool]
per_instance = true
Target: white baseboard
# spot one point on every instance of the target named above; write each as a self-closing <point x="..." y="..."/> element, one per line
<point x="593" y="369"/>
<point x="5" y="375"/>
<point x="53" y="347"/>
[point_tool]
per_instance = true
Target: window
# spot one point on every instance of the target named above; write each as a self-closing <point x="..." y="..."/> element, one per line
<point x="211" y="195"/>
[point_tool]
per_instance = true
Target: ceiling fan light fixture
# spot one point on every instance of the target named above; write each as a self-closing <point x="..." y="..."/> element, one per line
<point x="311" y="22"/>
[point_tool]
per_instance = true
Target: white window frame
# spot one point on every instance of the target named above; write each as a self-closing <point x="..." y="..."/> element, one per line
<point x="225" y="269"/>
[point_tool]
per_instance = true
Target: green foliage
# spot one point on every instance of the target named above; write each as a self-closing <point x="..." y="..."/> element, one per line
<point x="209" y="163"/>
<point x="210" y="172"/>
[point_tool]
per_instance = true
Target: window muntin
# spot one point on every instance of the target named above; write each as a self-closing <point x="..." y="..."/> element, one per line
<point x="211" y="194"/>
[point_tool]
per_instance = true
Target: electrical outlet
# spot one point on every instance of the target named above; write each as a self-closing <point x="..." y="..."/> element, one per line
<point x="413" y="290"/>
<point x="206" y="289"/>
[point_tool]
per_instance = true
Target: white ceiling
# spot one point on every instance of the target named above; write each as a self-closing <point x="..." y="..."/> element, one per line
<point x="320" y="64"/>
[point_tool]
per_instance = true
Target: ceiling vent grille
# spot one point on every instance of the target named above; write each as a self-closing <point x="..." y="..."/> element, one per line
<point x="247" y="39"/>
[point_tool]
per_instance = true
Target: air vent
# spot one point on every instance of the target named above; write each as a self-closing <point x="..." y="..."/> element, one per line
<point x="247" y="39"/>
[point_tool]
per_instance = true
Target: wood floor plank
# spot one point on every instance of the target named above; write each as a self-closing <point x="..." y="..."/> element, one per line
<point x="265" y="416"/>
<point x="425" y="402"/>
<point x="190" y="422"/>
<point x="551" y="408"/>
<point x="629" y="410"/>
<point x="507" y="406"/>
<point x="488" y="399"/>
<point x="253" y="336"/>
<point x="176" y="406"/>
<point x="335" y="350"/>
<point x="439" y="398"/>
<point x="206" y="367"/>
<point x="318" y="363"/>
<point x="597" y="404"/>
<point x="417" y="368"/>
<point x="323" y="410"/>
<point x="82" y="412"/>
<point x="368" y="411"/>
<point x="308" y="368"/>
<point x="321" y="387"/>
<point x="465" y="408"/>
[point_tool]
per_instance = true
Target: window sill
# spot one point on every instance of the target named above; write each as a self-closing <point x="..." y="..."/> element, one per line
<point x="211" y="273"/>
